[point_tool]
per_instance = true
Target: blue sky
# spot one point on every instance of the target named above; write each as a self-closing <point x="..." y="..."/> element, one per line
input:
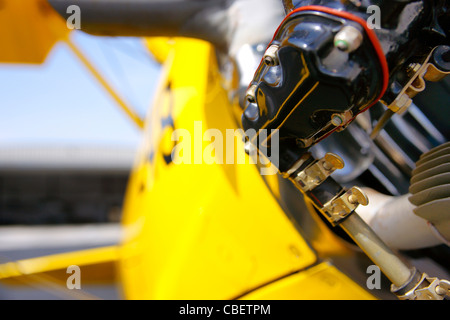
<point x="60" y="103"/>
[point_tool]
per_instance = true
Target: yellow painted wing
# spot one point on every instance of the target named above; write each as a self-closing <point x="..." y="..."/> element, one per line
<point x="28" y="30"/>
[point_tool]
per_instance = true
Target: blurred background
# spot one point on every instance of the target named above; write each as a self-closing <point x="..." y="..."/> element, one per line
<point x="66" y="150"/>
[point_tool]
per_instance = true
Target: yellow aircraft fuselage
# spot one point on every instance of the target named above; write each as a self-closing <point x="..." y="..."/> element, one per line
<point x="208" y="226"/>
<point x="207" y="229"/>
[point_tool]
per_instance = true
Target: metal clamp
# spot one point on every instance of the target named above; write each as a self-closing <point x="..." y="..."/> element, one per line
<point x="419" y="72"/>
<point x="428" y="288"/>
<point x="342" y="205"/>
<point x="436" y="290"/>
<point x="318" y="171"/>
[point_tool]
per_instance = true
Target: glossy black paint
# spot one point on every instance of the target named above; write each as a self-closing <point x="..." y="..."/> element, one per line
<point x="300" y="106"/>
<point x="316" y="80"/>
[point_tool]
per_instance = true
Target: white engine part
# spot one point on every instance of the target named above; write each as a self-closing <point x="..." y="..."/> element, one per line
<point x="393" y="219"/>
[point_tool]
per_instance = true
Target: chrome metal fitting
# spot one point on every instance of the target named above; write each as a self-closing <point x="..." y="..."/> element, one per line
<point x="348" y="39"/>
<point x="343" y="205"/>
<point x="249" y="148"/>
<point x="426" y="288"/>
<point x="318" y="172"/>
<point x="271" y="56"/>
<point x="341" y="120"/>
<point x="251" y="94"/>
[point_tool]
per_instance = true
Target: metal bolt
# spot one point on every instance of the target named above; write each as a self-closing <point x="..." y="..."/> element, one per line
<point x="251" y="94"/>
<point x="327" y="166"/>
<point x="440" y="291"/>
<point x="304" y="143"/>
<point x="332" y="161"/>
<point x="413" y="68"/>
<point x="270" y="56"/>
<point x="337" y="120"/>
<point x="443" y="288"/>
<point x="249" y="148"/>
<point x="348" y="39"/>
<point x="353" y="199"/>
<point x="357" y="196"/>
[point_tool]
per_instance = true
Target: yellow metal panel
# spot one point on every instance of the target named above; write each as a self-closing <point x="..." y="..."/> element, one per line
<point x="58" y="261"/>
<point x="322" y="282"/>
<point x="160" y="47"/>
<point x="200" y="231"/>
<point x="28" y="30"/>
<point x="97" y="266"/>
<point x="49" y="273"/>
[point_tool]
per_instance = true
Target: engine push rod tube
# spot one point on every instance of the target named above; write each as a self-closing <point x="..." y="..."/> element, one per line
<point x="388" y="262"/>
<point x="338" y="205"/>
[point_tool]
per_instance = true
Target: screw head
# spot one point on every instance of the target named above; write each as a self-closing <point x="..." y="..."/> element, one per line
<point x="251" y="94"/>
<point x="332" y="161"/>
<point x="271" y="56"/>
<point x="337" y="120"/>
<point x="358" y="196"/>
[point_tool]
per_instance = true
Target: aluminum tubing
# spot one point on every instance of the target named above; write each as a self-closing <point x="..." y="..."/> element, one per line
<point x="388" y="262"/>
